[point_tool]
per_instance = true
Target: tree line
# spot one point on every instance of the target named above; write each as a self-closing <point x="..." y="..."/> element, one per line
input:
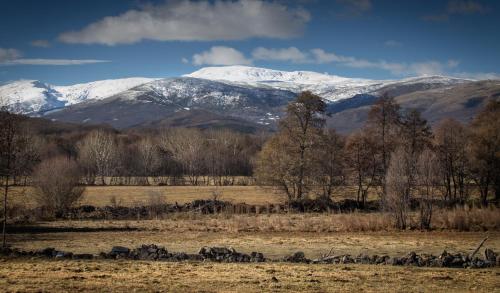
<point x="396" y="154"/>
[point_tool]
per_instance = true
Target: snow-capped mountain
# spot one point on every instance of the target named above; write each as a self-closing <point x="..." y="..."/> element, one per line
<point x="234" y="95"/>
<point x="33" y="97"/>
<point x="330" y="87"/>
<point x="98" y="90"/>
<point x="29" y="97"/>
<point x="167" y="97"/>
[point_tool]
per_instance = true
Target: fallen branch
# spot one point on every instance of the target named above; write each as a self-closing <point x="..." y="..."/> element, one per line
<point x="478" y="247"/>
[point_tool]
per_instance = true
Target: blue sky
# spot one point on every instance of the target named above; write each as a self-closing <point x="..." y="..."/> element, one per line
<point x="66" y="42"/>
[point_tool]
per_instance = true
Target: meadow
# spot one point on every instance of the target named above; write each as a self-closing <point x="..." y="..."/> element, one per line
<point x="276" y="235"/>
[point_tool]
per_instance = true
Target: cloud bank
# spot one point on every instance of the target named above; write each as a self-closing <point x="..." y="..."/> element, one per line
<point x="229" y="56"/>
<point x="13" y="57"/>
<point x="220" y="55"/>
<point x="188" y="20"/>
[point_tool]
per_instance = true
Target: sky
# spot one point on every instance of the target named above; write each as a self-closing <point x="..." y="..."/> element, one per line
<point x="66" y="42"/>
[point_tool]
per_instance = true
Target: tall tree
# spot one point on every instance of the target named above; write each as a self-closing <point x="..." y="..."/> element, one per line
<point x="485" y="150"/>
<point x="363" y="162"/>
<point x="287" y="159"/>
<point x="97" y="153"/>
<point x="330" y="162"/>
<point x="383" y="123"/>
<point x="450" y="142"/>
<point x="14" y="157"/>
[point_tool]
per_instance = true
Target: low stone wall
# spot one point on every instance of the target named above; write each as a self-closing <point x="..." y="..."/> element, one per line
<point x="230" y="255"/>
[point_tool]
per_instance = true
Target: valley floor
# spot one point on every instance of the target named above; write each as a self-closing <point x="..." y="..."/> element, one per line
<point x="31" y="275"/>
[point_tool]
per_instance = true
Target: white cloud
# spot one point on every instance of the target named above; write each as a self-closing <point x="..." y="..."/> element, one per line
<point x="220" y="55"/>
<point x="57" y="62"/>
<point x="40" y="43"/>
<point x="478" y="75"/>
<point x="286" y="54"/>
<point x="188" y="20"/>
<point x="13" y="57"/>
<point x="320" y="56"/>
<point x="8" y="54"/>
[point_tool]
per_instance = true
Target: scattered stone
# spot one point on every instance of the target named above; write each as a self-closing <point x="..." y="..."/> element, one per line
<point x="298" y="257"/>
<point x="490" y="255"/>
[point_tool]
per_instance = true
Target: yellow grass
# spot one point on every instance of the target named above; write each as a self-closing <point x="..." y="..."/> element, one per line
<point x="24" y="275"/>
<point x="280" y="235"/>
<point x="141" y="195"/>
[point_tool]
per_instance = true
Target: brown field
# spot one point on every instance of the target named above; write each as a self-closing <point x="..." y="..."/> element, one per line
<point x="275" y="235"/>
<point x="25" y="275"/>
<point x="142" y="195"/>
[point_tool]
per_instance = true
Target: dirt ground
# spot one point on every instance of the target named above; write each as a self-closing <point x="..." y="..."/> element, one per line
<point x="278" y="240"/>
<point x="32" y="275"/>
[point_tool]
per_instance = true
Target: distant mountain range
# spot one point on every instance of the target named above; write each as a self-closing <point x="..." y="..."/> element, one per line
<point x="240" y="97"/>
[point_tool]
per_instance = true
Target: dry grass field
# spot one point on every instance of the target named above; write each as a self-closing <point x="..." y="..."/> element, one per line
<point x="25" y="275"/>
<point x="275" y="235"/>
<point x="142" y="195"/>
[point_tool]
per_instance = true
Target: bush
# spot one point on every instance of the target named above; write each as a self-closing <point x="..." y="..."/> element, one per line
<point x="57" y="184"/>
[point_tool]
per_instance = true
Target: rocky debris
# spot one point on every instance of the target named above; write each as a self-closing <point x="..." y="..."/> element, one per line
<point x="228" y="254"/>
<point x="225" y="254"/>
<point x="490" y="255"/>
<point x="298" y="257"/>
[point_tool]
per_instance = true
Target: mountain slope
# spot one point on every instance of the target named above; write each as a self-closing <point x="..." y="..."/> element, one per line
<point x="158" y="100"/>
<point x="29" y="96"/>
<point x="461" y="102"/>
<point x="331" y="87"/>
<point x="34" y="97"/>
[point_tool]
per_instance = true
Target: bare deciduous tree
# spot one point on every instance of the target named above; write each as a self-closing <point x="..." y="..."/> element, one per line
<point x="97" y="154"/>
<point x="57" y="181"/>
<point x="399" y="183"/>
<point x="451" y="150"/>
<point x="363" y="162"/>
<point x="428" y="185"/>
<point x="186" y="147"/>
<point x="287" y="159"/>
<point x="485" y="150"/>
<point x="16" y="155"/>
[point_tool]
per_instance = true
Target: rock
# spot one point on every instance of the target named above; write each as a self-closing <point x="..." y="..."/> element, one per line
<point x="83" y="256"/>
<point x="297" y="257"/>
<point x="490" y="255"/>
<point x="395" y="261"/>
<point x="119" y="250"/>
<point x="257" y="257"/>
<point x="346" y="259"/>
<point x="63" y="255"/>
<point x="49" y="252"/>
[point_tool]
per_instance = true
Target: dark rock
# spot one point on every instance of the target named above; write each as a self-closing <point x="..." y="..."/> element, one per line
<point x="83" y="256"/>
<point x="63" y="255"/>
<point x="117" y="250"/>
<point x="298" y="257"/>
<point x="490" y="255"/>
<point x="49" y="252"/>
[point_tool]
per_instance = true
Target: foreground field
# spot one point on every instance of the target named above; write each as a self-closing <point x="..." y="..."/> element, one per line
<point x="25" y="275"/>
<point x="275" y="236"/>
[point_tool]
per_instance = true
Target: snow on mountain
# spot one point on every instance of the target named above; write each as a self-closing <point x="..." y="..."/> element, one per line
<point x="330" y="87"/>
<point x="29" y="96"/>
<point x="97" y="90"/>
<point x="33" y="97"/>
<point x="228" y="85"/>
